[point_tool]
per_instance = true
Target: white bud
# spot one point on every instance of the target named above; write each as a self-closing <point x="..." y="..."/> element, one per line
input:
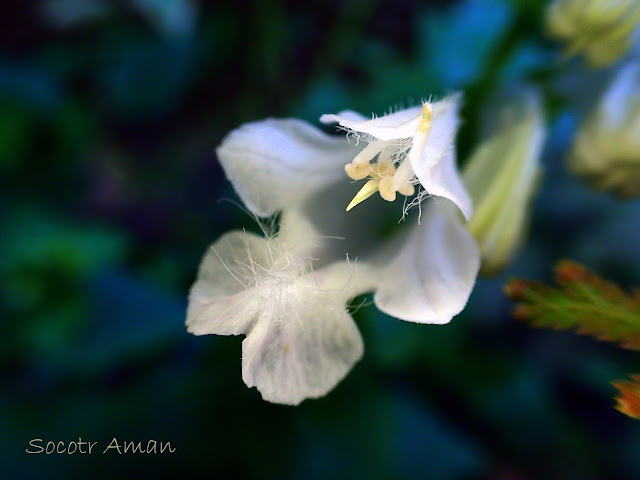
<point x="606" y="151"/>
<point x="501" y="177"/>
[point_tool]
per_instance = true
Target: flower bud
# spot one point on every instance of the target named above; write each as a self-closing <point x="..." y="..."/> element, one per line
<point x="604" y="30"/>
<point x="606" y="151"/>
<point x="501" y="177"/>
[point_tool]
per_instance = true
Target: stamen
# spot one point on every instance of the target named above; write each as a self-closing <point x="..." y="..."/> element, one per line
<point x="405" y="173"/>
<point x="368" y="152"/>
<point x="380" y="170"/>
<point x="365" y="192"/>
<point x="385" y="160"/>
<point x="385" y="177"/>
<point x="357" y="171"/>
<point x="407" y="189"/>
<point x="386" y="189"/>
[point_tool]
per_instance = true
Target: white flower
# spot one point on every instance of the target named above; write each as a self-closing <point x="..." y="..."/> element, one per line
<point x="502" y="176"/>
<point x="606" y="151"/>
<point x="605" y="30"/>
<point x="288" y="293"/>
<point x="300" y="340"/>
<point x="413" y="146"/>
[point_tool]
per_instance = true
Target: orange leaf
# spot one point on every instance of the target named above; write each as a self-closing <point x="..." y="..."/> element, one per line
<point x="628" y="401"/>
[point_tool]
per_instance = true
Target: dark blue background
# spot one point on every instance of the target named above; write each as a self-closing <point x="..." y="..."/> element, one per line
<point x="111" y="192"/>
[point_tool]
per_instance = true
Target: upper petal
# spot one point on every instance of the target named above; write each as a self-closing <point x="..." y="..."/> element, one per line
<point x="401" y="124"/>
<point x="343" y="115"/>
<point x="431" y="277"/>
<point x="433" y="161"/>
<point x="444" y="126"/>
<point x="278" y="162"/>
<point x="303" y="346"/>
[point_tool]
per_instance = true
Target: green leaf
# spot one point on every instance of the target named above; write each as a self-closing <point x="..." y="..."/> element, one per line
<point x="581" y="301"/>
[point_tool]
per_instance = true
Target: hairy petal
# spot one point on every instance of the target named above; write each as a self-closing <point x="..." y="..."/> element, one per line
<point x="223" y="300"/>
<point x="304" y="346"/>
<point x="435" y="164"/>
<point x="401" y="124"/>
<point x="300" y="339"/>
<point x="444" y="126"/>
<point x="343" y="116"/>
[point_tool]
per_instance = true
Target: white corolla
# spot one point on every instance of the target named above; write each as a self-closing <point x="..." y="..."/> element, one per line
<point x="413" y="147"/>
<point x="288" y="291"/>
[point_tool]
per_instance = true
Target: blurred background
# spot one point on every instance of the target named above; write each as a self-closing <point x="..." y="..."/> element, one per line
<point x="110" y="112"/>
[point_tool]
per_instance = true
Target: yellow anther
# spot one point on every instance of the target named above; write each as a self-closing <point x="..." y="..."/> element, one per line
<point x="386" y="190"/>
<point x="407" y="189"/>
<point x="385" y="168"/>
<point x="382" y="169"/>
<point x="357" y="171"/>
<point x="381" y="174"/>
<point x="365" y="192"/>
<point x="425" y="122"/>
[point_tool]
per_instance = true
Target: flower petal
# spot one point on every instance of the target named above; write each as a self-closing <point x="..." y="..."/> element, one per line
<point x="357" y="233"/>
<point x="433" y="160"/>
<point x="305" y="345"/>
<point x="401" y="124"/>
<point x="443" y="180"/>
<point x="280" y="162"/>
<point x="431" y="277"/>
<point x="444" y="126"/>
<point x="223" y="299"/>
<point x="300" y="339"/>
<point x="344" y="115"/>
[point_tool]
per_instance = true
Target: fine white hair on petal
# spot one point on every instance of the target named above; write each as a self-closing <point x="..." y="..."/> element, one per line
<point x="221" y="301"/>
<point x="444" y="126"/>
<point x="431" y="152"/>
<point x="343" y="115"/>
<point x="397" y="124"/>
<point x="401" y="124"/>
<point x="302" y="346"/>
<point x="435" y="166"/>
<point x="300" y="339"/>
